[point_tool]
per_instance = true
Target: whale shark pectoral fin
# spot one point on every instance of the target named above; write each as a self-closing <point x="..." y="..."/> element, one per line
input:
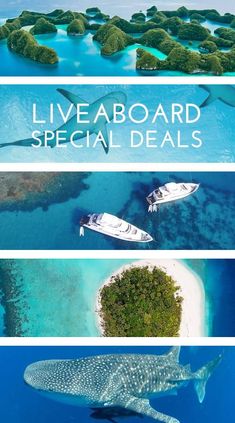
<point x="105" y="136"/>
<point x="142" y="406"/>
<point x="208" y="100"/>
<point x="174" y="354"/>
<point x="73" y="98"/>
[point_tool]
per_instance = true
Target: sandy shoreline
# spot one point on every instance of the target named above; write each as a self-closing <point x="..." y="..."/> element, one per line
<point x="191" y="289"/>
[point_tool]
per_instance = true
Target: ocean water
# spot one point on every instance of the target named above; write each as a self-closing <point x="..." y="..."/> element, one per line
<point x="58" y="297"/>
<point x="80" y="56"/>
<point x="204" y="220"/>
<point x="121" y="8"/>
<point x="20" y="404"/>
<point x="16" y="123"/>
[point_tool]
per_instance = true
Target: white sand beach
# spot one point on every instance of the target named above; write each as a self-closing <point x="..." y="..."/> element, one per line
<point x="191" y="290"/>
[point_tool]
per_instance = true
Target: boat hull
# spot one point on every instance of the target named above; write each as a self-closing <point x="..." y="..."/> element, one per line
<point x="117" y="236"/>
<point x="172" y="199"/>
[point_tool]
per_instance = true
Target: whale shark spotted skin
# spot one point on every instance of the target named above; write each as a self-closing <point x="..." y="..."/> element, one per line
<point x="108" y="101"/>
<point x="128" y="381"/>
<point x="224" y="93"/>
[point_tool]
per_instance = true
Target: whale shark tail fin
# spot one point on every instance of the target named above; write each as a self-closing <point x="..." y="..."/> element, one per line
<point x="174" y="354"/>
<point x="202" y="376"/>
<point x="73" y="98"/>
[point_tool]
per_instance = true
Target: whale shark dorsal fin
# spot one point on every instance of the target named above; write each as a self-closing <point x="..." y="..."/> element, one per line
<point x="142" y="406"/>
<point x="73" y="98"/>
<point x="174" y="354"/>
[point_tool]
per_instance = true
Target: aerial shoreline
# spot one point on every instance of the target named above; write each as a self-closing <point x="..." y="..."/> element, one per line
<point x="190" y="288"/>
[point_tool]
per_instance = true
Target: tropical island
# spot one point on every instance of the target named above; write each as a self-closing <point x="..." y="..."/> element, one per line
<point x="169" y="32"/>
<point x="160" y="298"/>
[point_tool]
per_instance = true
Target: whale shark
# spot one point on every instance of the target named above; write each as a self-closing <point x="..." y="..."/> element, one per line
<point x="108" y="101"/>
<point x="118" y="380"/>
<point x="224" y="93"/>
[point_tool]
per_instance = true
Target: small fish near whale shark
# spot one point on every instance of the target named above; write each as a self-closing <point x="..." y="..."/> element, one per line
<point x="98" y="128"/>
<point x="119" y="380"/>
<point x="111" y="413"/>
<point x="224" y="93"/>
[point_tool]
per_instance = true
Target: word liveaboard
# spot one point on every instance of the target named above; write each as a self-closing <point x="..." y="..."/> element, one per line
<point x="86" y="129"/>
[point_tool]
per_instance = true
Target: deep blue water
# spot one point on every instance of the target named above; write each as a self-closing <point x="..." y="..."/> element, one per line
<point x="217" y="138"/>
<point x="218" y="279"/>
<point x="20" y="404"/>
<point x="204" y="220"/>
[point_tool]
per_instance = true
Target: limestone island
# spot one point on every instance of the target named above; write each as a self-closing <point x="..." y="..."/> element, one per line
<point x="155" y="298"/>
<point x="181" y="35"/>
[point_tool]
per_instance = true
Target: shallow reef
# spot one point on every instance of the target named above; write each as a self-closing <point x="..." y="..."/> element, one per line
<point x="29" y="190"/>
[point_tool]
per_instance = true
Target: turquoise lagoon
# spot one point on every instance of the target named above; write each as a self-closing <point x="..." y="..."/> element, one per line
<point x="58" y="297"/>
<point x="217" y="138"/>
<point x="80" y="56"/>
<point x="204" y="220"/>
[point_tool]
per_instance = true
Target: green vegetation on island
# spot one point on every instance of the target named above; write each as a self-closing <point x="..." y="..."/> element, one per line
<point x="146" y="60"/>
<point x="141" y="302"/>
<point x="9" y="27"/>
<point x="76" y="27"/>
<point x="151" y="11"/>
<point x="43" y="26"/>
<point x="138" y="17"/>
<point x="166" y="31"/>
<point x="197" y="17"/>
<point x="131" y="28"/>
<point x="226" y="34"/>
<point x="93" y="10"/>
<point x="112" y="39"/>
<point x="159" y="39"/>
<point x="193" y="31"/>
<point x="207" y="46"/>
<point x="22" y="42"/>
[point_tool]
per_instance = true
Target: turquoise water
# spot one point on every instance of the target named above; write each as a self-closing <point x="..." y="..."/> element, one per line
<point x="217" y="138"/>
<point x="204" y="220"/>
<point x="58" y="297"/>
<point x="80" y="56"/>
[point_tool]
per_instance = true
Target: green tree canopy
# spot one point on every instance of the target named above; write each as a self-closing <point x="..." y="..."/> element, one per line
<point x="141" y="302"/>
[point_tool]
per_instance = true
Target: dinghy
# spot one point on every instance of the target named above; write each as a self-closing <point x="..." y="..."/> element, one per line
<point x="170" y="192"/>
<point x="110" y="225"/>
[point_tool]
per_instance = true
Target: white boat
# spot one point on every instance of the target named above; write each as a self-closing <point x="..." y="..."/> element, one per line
<point x="170" y="192"/>
<point x="110" y="225"/>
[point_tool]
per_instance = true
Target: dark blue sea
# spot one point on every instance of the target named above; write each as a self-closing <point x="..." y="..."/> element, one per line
<point x="204" y="220"/>
<point x="20" y="404"/>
